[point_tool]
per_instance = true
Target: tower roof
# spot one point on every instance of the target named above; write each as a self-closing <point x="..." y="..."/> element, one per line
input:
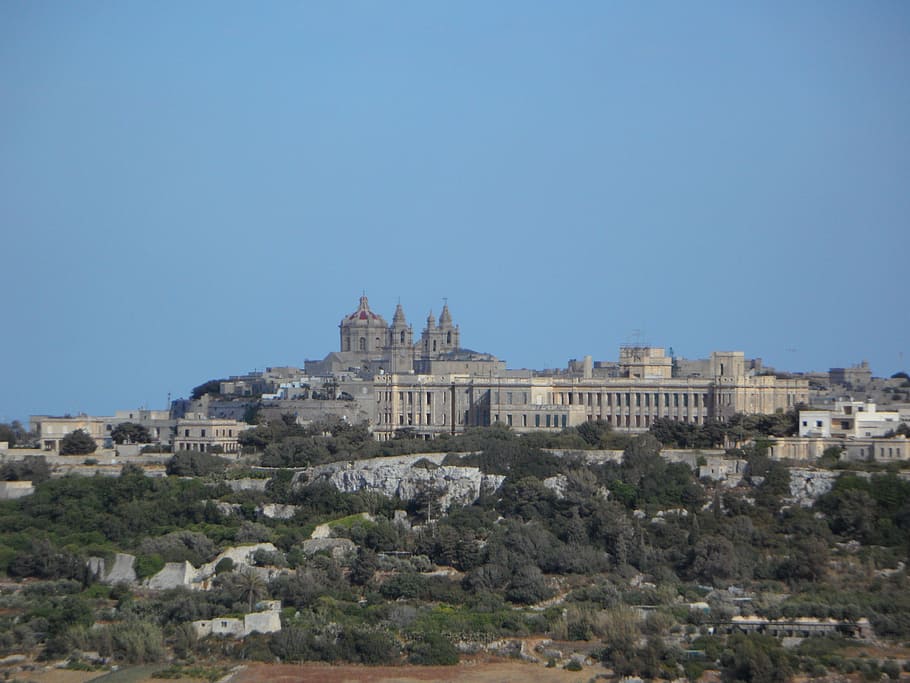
<point x="398" y="318"/>
<point x="445" y="318"/>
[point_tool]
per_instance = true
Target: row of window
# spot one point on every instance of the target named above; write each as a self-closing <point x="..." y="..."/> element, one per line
<point x="218" y="433"/>
<point x="408" y="419"/>
<point x="609" y="399"/>
<point x="409" y="397"/>
<point x="561" y="420"/>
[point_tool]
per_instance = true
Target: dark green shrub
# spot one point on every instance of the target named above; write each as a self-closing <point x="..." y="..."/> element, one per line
<point x="225" y="564"/>
<point x="432" y="649"/>
<point x="148" y="565"/>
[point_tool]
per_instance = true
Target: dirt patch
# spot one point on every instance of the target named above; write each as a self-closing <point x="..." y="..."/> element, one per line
<point x="466" y="672"/>
<point x="57" y="676"/>
<point x="130" y="674"/>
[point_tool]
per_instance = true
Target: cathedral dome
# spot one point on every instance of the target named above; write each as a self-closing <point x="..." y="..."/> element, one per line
<point x="363" y="331"/>
<point x="363" y="316"/>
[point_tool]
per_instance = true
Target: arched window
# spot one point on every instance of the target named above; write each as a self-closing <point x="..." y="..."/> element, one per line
<point x="448" y="338"/>
<point x="402" y="337"/>
<point x="434" y="344"/>
<point x="363" y="344"/>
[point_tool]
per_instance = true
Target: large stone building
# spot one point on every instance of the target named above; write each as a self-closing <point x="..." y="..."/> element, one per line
<point x="431" y="404"/>
<point x="431" y="385"/>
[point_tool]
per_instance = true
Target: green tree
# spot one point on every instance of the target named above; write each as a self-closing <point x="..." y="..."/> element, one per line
<point x="713" y="558"/>
<point x="195" y="464"/>
<point x="32" y="468"/>
<point x="755" y="658"/>
<point x="225" y="564"/>
<point x="8" y="434"/>
<point x="77" y="443"/>
<point x="365" y="565"/>
<point x="130" y="432"/>
<point x="597" y="433"/>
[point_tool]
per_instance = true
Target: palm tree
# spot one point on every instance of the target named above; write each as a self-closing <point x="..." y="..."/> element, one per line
<point x="252" y="586"/>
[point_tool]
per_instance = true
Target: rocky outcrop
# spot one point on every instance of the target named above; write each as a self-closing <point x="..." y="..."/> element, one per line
<point x="241" y="555"/>
<point x="177" y="574"/>
<point x="807" y="485"/>
<point x="173" y="574"/>
<point x="248" y="484"/>
<point x="397" y="476"/>
<point x="325" y="530"/>
<point x="558" y="484"/>
<point x="336" y="547"/>
<point x="277" y="510"/>
<point x="120" y="571"/>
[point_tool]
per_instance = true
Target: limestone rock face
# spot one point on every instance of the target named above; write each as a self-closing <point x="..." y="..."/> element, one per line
<point x="807" y="485"/>
<point x="177" y="574"/>
<point x="121" y="571"/>
<point x="247" y="484"/>
<point x="277" y="510"/>
<point x="173" y="574"/>
<point x="558" y="484"/>
<point x="397" y="476"/>
<point x="336" y="547"/>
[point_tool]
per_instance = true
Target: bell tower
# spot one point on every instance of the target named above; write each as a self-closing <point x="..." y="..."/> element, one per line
<point x="400" y="348"/>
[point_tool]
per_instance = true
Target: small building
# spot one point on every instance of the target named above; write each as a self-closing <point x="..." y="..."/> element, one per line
<point x="52" y="429"/>
<point x="848" y="418"/>
<point x="12" y="490"/>
<point x="159" y="424"/>
<point x="266" y="620"/>
<point x="208" y="434"/>
<point x="800" y="627"/>
<point x="879" y="449"/>
<point x="855" y="377"/>
<point x="721" y="468"/>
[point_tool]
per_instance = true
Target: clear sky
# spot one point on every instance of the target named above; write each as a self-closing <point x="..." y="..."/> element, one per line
<point x="190" y="190"/>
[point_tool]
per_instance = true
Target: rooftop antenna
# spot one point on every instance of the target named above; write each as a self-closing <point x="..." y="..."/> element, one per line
<point x="637" y="338"/>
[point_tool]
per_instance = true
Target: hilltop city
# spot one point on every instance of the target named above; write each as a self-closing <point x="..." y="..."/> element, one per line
<point x="397" y="386"/>
<point x="405" y="501"/>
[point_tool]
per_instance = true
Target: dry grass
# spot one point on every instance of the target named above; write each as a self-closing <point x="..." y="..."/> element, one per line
<point x="466" y="672"/>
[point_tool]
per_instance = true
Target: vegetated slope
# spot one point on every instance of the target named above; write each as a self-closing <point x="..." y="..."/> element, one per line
<point x="618" y="556"/>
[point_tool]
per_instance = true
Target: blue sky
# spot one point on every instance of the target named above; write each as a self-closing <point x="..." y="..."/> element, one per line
<point x="193" y="190"/>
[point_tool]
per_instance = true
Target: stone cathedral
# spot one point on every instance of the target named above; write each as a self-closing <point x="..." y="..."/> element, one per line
<point x="369" y="345"/>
